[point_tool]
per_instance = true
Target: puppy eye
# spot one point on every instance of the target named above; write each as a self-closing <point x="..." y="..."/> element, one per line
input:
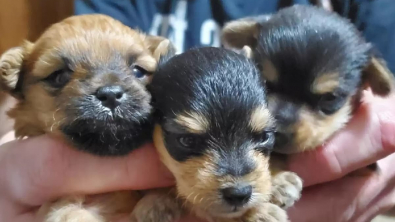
<point x="187" y="141"/>
<point x="328" y="97"/>
<point x="265" y="140"/>
<point x="139" y="72"/>
<point x="59" y="78"/>
<point x="329" y="103"/>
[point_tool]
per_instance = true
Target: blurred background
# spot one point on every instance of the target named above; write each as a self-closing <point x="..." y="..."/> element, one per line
<point x="26" y="19"/>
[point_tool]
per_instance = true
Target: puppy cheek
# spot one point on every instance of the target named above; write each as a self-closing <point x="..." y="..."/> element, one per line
<point x="37" y="113"/>
<point x="196" y="180"/>
<point x="260" y="177"/>
<point x="314" y="129"/>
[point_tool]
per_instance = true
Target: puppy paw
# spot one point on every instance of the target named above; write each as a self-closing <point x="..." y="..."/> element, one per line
<point x="287" y="189"/>
<point x="267" y="213"/>
<point x="73" y="214"/>
<point x="157" y="207"/>
<point x="10" y="66"/>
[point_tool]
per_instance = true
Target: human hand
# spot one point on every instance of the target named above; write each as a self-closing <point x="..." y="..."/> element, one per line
<point x="40" y="169"/>
<point x="369" y="137"/>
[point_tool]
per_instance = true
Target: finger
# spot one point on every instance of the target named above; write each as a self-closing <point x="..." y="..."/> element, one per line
<point x="7" y="137"/>
<point x="348" y="199"/>
<point x="367" y="138"/>
<point x="39" y="169"/>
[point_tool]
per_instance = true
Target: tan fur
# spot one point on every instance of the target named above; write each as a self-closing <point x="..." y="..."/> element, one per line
<point x="198" y="183"/>
<point x="98" y="38"/>
<point x="325" y="83"/>
<point x="260" y="119"/>
<point x="269" y="71"/>
<point x="379" y="77"/>
<point x="193" y="122"/>
<point x="158" y="205"/>
<point x="313" y="129"/>
<point x="239" y="33"/>
<point x="247" y="51"/>
<point x="97" y="208"/>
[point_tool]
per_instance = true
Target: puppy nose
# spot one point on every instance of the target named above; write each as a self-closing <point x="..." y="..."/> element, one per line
<point x="110" y="96"/>
<point x="238" y="195"/>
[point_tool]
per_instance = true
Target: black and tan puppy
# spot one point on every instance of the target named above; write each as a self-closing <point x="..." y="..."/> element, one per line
<point x="214" y="133"/>
<point x="84" y="80"/>
<point x="316" y="65"/>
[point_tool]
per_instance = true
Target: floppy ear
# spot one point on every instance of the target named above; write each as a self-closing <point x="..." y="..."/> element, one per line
<point x="238" y="33"/>
<point x="161" y="48"/>
<point x="378" y="77"/>
<point x="11" y="68"/>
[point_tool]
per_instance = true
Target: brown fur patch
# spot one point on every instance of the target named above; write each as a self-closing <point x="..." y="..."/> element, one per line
<point x="314" y="129"/>
<point x="379" y="77"/>
<point x="193" y="122"/>
<point x="260" y="119"/>
<point x="158" y="205"/>
<point x="198" y="183"/>
<point x="96" y="208"/>
<point x="325" y="83"/>
<point x="269" y="71"/>
<point x="240" y="33"/>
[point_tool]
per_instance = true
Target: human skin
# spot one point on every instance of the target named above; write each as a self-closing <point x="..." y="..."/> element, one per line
<point x="40" y="169"/>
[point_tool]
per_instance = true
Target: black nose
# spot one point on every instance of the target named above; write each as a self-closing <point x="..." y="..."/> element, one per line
<point x="110" y="96"/>
<point x="238" y="195"/>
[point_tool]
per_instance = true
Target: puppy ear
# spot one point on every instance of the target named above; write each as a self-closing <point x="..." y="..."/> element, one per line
<point x="11" y="68"/>
<point x="379" y="77"/>
<point x="162" y="49"/>
<point x="245" y="51"/>
<point x="239" y="33"/>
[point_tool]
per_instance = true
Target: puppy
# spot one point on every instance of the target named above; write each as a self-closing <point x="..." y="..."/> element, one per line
<point x="316" y="65"/>
<point x="84" y="81"/>
<point x="214" y="132"/>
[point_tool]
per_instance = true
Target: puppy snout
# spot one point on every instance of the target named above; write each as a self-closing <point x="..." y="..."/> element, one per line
<point x="110" y="96"/>
<point x="237" y="195"/>
<point x="285" y="112"/>
<point x="281" y="139"/>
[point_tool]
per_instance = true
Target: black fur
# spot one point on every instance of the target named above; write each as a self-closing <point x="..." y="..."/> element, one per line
<point x="304" y="42"/>
<point x="224" y="88"/>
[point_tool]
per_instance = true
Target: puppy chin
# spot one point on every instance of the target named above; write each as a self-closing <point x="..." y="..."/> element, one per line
<point x="110" y="137"/>
<point x="228" y="212"/>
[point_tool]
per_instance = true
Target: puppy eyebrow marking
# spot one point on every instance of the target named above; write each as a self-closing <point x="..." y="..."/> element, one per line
<point x="269" y="71"/>
<point x="260" y="119"/>
<point x="325" y="83"/>
<point x="147" y="62"/>
<point x="194" y="122"/>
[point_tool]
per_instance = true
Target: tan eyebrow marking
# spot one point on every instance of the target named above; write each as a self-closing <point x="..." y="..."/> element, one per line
<point x="325" y="83"/>
<point x="194" y="122"/>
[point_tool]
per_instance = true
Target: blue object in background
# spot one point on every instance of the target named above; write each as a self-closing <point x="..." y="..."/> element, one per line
<point x="195" y="23"/>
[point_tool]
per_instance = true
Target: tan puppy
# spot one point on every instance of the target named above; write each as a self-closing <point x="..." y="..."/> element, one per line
<point x="84" y="81"/>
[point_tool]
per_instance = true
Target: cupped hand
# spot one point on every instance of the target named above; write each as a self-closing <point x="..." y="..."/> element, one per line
<point x="332" y="193"/>
<point x="40" y="169"/>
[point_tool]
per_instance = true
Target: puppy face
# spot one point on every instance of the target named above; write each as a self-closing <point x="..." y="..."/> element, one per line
<point x="315" y="64"/>
<point x="85" y="79"/>
<point x="215" y="131"/>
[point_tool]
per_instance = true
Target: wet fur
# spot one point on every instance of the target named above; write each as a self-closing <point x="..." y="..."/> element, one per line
<point x="92" y="51"/>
